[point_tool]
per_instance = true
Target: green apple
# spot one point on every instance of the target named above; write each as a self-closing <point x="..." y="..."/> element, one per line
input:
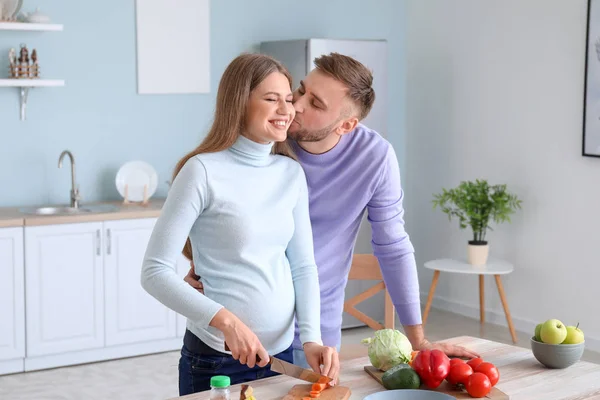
<point x="538" y="328"/>
<point x="574" y="335"/>
<point x="553" y="332"/>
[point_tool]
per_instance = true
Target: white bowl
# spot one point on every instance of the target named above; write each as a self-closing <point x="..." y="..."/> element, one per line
<point x="409" y="394"/>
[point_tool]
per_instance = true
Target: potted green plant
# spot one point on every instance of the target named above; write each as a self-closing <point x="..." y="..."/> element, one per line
<point x="475" y="204"/>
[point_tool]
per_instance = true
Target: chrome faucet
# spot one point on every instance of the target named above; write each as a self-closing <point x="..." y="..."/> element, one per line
<point x="74" y="188"/>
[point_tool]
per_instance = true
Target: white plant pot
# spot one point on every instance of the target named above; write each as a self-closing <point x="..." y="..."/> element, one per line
<point x="478" y="254"/>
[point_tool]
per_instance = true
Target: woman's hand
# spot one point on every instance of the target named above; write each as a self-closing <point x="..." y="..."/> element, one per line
<point x="323" y="360"/>
<point x="240" y="340"/>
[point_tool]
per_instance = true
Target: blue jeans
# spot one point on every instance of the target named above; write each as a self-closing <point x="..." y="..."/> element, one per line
<point x="300" y="358"/>
<point x="195" y="370"/>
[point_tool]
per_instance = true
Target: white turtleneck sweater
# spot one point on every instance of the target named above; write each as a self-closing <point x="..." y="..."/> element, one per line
<point x="246" y="213"/>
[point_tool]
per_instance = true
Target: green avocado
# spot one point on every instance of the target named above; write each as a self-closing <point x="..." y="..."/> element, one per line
<point x="401" y="376"/>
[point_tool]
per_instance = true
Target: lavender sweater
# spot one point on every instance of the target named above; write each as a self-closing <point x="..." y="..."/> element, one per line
<point x="360" y="173"/>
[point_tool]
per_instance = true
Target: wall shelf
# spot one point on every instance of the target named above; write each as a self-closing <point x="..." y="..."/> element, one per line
<point x="29" y="26"/>
<point x="26" y="84"/>
<point x="31" y="82"/>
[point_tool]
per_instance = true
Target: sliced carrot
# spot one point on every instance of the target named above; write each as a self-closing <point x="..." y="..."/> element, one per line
<point x="319" y="387"/>
<point x="323" y="380"/>
<point x="413" y="355"/>
<point x="314" y="394"/>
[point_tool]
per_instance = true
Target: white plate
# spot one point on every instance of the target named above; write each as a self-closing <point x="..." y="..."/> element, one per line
<point x="136" y="174"/>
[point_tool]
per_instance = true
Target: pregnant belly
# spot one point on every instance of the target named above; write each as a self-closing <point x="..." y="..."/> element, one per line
<point x="268" y="313"/>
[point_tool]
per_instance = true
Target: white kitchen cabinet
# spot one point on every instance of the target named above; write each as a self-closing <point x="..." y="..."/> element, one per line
<point x="70" y="293"/>
<point x="12" y="300"/>
<point x="132" y="315"/>
<point x="64" y="288"/>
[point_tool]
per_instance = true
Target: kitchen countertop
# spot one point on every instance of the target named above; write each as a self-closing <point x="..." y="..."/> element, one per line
<point x="12" y="217"/>
<point x="521" y="376"/>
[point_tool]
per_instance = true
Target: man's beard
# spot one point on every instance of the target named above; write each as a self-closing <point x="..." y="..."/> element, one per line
<point x="304" y="135"/>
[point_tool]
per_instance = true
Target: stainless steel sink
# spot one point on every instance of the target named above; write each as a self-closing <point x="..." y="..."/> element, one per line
<point x="74" y="206"/>
<point x="99" y="208"/>
<point x="66" y="210"/>
<point x="51" y="210"/>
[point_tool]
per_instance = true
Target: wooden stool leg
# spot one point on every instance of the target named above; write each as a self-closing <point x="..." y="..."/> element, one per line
<point x="436" y="275"/>
<point x="481" y="300"/>
<point x="506" y="311"/>
<point x="390" y="315"/>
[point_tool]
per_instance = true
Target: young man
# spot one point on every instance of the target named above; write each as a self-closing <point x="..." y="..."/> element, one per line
<point x="351" y="168"/>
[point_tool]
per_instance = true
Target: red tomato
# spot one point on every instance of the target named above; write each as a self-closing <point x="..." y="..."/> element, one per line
<point x="459" y="373"/>
<point x="474" y="362"/>
<point x="456" y="361"/>
<point x="478" y="385"/>
<point x="490" y="371"/>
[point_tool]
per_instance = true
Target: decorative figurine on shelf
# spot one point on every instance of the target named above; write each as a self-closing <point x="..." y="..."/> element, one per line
<point x="34" y="70"/>
<point x="22" y="68"/>
<point x="12" y="63"/>
<point x="12" y="56"/>
<point x="24" y="62"/>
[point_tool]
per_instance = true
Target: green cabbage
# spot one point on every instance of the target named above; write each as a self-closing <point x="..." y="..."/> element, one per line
<point x="388" y="348"/>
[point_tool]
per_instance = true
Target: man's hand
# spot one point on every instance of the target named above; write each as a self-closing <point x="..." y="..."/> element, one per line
<point x="416" y="335"/>
<point x="193" y="279"/>
<point x="323" y="360"/>
<point x="449" y="349"/>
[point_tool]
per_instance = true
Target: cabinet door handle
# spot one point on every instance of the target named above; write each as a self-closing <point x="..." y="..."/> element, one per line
<point x="97" y="242"/>
<point x="108" y="241"/>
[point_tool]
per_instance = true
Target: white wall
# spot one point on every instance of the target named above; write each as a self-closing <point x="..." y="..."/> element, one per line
<point x="494" y="91"/>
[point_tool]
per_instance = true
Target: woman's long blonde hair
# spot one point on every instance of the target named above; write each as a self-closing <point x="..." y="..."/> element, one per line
<point x="240" y="78"/>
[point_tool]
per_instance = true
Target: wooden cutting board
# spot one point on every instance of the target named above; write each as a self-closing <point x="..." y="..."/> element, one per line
<point x="333" y="393"/>
<point x="445" y="387"/>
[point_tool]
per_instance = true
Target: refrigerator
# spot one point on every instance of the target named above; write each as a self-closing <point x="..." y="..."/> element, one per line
<point x="298" y="56"/>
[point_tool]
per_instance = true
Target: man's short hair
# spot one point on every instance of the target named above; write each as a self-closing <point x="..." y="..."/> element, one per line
<point x="354" y="75"/>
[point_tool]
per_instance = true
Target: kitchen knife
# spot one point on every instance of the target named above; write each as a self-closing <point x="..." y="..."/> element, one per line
<point x="295" y="371"/>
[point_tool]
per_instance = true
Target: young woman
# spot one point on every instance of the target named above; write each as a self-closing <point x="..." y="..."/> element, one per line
<point x="239" y="204"/>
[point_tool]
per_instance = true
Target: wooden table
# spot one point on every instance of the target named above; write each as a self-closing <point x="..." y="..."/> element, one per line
<point x="521" y="376"/>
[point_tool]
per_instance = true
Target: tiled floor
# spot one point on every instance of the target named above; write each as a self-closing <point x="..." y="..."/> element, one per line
<point x="154" y="377"/>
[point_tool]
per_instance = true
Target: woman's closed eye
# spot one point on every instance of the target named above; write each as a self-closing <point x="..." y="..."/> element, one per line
<point x="289" y="100"/>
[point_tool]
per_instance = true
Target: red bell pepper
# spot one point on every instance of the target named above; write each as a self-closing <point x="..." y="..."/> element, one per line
<point x="432" y="366"/>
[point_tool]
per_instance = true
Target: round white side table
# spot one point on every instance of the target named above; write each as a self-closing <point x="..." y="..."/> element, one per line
<point x="494" y="267"/>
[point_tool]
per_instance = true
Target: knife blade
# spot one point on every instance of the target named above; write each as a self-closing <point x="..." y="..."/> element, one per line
<point x="295" y="371"/>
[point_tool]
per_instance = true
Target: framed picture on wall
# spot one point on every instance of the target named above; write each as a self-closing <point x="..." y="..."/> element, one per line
<point x="591" y="104"/>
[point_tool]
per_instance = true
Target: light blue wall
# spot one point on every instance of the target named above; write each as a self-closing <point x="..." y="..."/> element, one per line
<point x="101" y="119"/>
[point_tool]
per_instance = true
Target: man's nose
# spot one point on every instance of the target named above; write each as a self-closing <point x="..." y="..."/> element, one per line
<point x="299" y="104"/>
